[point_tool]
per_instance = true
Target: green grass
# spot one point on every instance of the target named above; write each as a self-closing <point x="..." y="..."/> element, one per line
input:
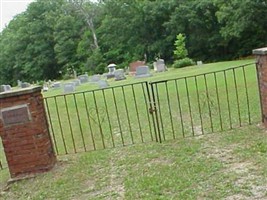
<point x="185" y="168"/>
<point x="216" y="166"/>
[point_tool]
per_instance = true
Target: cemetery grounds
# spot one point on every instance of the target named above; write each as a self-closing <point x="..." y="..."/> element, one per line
<point x="227" y="164"/>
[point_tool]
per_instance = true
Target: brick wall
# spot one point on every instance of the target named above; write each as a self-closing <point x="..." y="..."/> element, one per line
<point x="24" y="132"/>
<point x="261" y="59"/>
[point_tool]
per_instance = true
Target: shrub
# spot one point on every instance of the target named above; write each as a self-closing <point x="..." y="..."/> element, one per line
<point x="183" y="63"/>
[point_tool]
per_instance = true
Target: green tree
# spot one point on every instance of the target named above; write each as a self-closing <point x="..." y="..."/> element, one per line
<point x="180" y="51"/>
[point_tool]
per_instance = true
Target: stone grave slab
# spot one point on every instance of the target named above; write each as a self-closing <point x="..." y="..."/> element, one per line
<point x="142" y="72"/>
<point x="83" y="78"/>
<point x="159" y="66"/>
<point x="69" y="88"/>
<point x="102" y="84"/>
<point x="119" y="75"/>
<point x="5" y="88"/>
<point x="95" y="78"/>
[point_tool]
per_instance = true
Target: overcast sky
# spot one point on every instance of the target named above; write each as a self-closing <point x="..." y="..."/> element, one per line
<point x="10" y="8"/>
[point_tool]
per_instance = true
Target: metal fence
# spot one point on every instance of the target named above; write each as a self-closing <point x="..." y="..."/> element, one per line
<point x="206" y="103"/>
<point x="154" y="111"/>
<point x="100" y="119"/>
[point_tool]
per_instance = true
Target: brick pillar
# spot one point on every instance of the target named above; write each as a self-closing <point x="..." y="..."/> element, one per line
<point x="24" y="132"/>
<point x="261" y="59"/>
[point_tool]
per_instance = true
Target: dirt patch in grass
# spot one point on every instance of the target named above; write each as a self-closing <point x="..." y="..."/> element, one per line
<point x="245" y="171"/>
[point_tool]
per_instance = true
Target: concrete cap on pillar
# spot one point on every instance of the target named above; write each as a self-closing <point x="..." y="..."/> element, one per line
<point x="261" y="51"/>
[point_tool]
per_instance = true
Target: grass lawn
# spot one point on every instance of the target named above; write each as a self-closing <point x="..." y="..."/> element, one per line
<point x="228" y="165"/>
<point x="224" y="165"/>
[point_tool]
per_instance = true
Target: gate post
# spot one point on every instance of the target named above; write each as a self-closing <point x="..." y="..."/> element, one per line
<point x="25" y="134"/>
<point x="261" y="61"/>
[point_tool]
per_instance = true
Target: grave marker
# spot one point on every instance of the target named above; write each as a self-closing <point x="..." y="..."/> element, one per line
<point x="142" y="72"/>
<point x="69" y="88"/>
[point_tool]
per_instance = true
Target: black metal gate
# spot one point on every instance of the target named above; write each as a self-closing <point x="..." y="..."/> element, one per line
<point x="206" y="103"/>
<point x="100" y="119"/>
<point x="154" y="111"/>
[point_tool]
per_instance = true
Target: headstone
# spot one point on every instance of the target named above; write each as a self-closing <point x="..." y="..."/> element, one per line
<point x="83" y="78"/>
<point x="102" y="84"/>
<point x="95" y="78"/>
<point x="45" y="88"/>
<point x="56" y="85"/>
<point x="25" y="85"/>
<point x="5" y="88"/>
<point x="199" y="63"/>
<point x="159" y="66"/>
<point x="74" y="73"/>
<point x="142" y="71"/>
<point x="133" y="66"/>
<point x="69" y="87"/>
<point x="119" y="75"/>
<point x="77" y="82"/>
<point x="19" y="83"/>
<point x="108" y="76"/>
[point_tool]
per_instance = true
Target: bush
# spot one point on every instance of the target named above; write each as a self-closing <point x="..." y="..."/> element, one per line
<point x="183" y="63"/>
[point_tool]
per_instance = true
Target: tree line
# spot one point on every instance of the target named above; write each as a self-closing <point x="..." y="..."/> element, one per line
<point x="53" y="37"/>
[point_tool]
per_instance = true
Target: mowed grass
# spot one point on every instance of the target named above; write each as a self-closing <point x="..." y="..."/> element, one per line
<point x="228" y="165"/>
<point x="187" y="168"/>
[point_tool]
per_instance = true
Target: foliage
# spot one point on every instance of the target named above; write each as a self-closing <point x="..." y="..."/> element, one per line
<point x="180" y="50"/>
<point x="184" y="62"/>
<point x="52" y="36"/>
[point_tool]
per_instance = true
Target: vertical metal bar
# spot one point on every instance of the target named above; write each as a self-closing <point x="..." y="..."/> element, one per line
<point x="89" y="121"/>
<point x="147" y="109"/>
<point x="156" y="112"/>
<point x="118" y="117"/>
<point x="69" y="122"/>
<point x="246" y="88"/>
<point x="108" y="116"/>
<point x="189" y="106"/>
<point x="137" y="113"/>
<point x="152" y="110"/>
<point x="127" y="114"/>
<point x="208" y="99"/>
<point x="79" y="121"/>
<point x="60" y="126"/>
<point x="237" y="98"/>
<point x="259" y="65"/>
<point x="51" y="125"/>
<point x="99" y="122"/>
<point x="218" y="99"/>
<point x="160" y="114"/>
<point x="199" y="107"/>
<point x="227" y="97"/>
<point x="179" y="105"/>
<point x="170" y="110"/>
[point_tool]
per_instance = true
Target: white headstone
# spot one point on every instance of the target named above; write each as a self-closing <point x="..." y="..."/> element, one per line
<point x="199" y="63"/>
<point x="159" y="65"/>
<point x="56" y="85"/>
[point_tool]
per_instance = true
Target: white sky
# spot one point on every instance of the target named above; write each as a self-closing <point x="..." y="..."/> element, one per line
<point x="10" y="8"/>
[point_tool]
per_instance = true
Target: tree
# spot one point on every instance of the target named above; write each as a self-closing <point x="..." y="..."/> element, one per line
<point x="180" y="51"/>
